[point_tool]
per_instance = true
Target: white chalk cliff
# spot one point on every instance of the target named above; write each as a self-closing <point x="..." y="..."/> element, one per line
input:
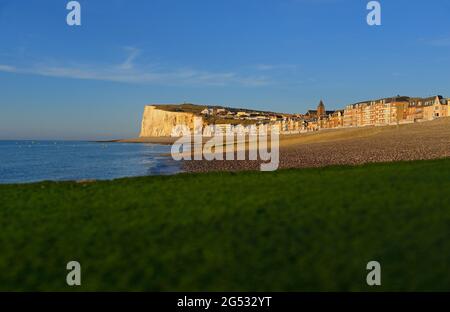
<point x="157" y="122"/>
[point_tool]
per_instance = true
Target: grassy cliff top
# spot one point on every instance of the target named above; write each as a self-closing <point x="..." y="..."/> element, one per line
<point x="182" y="108"/>
<point x="196" y="109"/>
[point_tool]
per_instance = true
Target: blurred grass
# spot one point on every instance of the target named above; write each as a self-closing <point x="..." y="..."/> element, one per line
<point x="312" y="229"/>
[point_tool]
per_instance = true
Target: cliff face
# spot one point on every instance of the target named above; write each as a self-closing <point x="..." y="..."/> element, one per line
<point x="157" y="122"/>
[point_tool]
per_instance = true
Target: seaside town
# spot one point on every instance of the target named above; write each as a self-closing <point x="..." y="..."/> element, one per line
<point x="160" y="120"/>
<point x="383" y="112"/>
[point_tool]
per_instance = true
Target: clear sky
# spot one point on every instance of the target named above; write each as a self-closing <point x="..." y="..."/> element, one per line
<point x="92" y="81"/>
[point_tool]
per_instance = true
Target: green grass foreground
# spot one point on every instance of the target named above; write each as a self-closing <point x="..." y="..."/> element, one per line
<point x="295" y="230"/>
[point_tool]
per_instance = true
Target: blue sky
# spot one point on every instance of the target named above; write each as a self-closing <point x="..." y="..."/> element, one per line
<point x="92" y="81"/>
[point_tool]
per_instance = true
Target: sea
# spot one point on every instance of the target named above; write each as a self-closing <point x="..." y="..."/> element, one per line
<point x="33" y="161"/>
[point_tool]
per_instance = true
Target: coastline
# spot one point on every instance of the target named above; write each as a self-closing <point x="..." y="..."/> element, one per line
<point x="146" y="140"/>
<point x="350" y="146"/>
<point x="344" y="146"/>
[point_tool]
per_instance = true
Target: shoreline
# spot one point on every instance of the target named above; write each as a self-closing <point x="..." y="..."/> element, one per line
<point x="147" y="140"/>
<point x="344" y="146"/>
<point x="350" y="146"/>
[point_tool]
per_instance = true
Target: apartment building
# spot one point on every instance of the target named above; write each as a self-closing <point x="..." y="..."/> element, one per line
<point x="395" y="110"/>
<point x="437" y="108"/>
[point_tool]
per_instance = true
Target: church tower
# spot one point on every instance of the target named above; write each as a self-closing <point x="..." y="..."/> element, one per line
<point x="321" y="110"/>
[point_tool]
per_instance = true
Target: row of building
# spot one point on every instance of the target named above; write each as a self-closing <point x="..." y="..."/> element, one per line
<point x="382" y="112"/>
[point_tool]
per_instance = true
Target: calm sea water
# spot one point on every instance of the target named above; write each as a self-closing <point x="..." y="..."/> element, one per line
<point x="31" y="161"/>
